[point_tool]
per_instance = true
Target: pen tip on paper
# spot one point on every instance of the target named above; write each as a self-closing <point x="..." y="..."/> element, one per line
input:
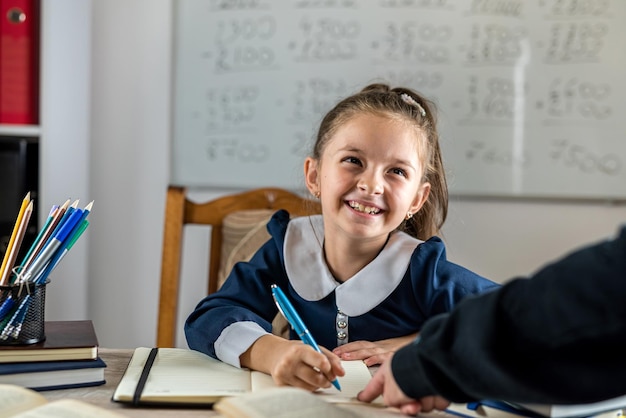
<point x="336" y="384"/>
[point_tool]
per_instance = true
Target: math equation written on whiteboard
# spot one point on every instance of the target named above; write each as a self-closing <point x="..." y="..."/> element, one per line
<point x="530" y="93"/>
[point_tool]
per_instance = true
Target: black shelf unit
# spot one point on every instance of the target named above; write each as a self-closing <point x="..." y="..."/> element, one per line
<point x="19" y="174"/>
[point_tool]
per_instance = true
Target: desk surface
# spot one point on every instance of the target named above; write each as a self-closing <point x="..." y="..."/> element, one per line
<point x="117" y="360"/>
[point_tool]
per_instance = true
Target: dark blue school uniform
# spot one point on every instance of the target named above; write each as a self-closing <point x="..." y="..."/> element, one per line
<point x="407" y="283"/>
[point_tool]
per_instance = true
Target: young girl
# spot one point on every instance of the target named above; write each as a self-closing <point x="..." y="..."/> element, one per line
<point x="364" y="275"/>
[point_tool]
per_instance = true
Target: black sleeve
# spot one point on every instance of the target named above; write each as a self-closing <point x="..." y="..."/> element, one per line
<point x="557" y="337"/>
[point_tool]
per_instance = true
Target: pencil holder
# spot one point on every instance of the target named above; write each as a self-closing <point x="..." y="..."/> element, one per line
<point x="22" y="309"/>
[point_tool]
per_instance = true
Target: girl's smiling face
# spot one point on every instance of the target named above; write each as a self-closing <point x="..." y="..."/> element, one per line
<point x="369" y="177"/>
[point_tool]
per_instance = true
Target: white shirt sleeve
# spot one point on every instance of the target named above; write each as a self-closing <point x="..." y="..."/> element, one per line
<point x="236" y="339"/>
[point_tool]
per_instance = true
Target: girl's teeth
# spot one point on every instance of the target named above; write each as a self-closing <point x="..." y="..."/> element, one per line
<point x="365" y="209"/>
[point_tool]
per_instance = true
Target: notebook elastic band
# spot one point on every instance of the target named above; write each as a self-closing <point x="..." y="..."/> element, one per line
<point x="144" y="375"/>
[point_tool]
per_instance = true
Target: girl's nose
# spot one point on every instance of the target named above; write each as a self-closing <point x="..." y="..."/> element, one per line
<point x="370" y="183"/>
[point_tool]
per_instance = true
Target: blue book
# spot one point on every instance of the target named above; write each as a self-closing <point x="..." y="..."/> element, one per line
<point x="49" y="375"/>
<point x="611" y="408"/>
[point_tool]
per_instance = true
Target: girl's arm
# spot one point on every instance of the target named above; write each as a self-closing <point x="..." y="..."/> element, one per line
<point x="225" y="324"/>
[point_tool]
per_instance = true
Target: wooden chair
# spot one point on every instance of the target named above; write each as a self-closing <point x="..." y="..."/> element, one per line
<point x="180" y="211"/>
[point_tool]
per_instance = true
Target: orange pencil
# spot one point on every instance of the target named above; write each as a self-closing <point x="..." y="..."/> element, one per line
<point x="20" y="215"/>
<point x="58" y="214"/>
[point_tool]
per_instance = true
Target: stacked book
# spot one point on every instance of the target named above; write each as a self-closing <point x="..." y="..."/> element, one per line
<point x="67" y="358"/>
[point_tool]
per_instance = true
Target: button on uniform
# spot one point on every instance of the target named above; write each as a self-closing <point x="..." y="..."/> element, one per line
<point x="341" y="328"/>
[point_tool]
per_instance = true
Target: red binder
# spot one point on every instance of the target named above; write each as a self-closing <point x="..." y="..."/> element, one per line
<point x="19" y="61"/>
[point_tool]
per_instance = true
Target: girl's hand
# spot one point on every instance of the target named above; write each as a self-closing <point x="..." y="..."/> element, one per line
<point x="372" y="352"/>
<point x="293" y="363"/>
<point x="301" y="366"/>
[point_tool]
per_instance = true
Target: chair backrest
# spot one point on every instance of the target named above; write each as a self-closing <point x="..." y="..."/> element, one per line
<point x="180" y="211"/>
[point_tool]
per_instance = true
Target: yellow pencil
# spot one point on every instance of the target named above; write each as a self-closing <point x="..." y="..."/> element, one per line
<point x="21" y="231"/>
<point x="20" y="215"/>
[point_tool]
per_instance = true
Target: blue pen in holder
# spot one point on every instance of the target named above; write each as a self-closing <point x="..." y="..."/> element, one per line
<point x="22" y="309"/>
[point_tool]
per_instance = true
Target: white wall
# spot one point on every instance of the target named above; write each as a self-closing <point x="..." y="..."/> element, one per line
<point x="130" y="131"/>
<point x="65" y="140"/>
<point x="502" y="239"/>
<point x="130" y="128"/>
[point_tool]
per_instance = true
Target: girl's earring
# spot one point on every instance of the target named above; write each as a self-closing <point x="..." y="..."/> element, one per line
<point x="317" y="195"/>
<point x="409" y="215"/>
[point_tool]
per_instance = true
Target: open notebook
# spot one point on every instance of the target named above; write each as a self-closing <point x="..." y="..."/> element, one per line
<point x="180" y="376"/>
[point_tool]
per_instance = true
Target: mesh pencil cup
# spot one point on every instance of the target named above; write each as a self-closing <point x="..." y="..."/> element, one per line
<point x="22" y="309"/>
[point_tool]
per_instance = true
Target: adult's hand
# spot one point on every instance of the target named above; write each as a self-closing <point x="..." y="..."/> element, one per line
<point x="383" y="383"/>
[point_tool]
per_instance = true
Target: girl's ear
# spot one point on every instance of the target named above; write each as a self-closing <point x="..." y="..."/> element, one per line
<point x="311" y="175"/>
<point x="420" y="197"/>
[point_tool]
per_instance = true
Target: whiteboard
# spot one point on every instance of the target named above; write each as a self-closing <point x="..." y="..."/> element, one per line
<point x="531" y="94"/>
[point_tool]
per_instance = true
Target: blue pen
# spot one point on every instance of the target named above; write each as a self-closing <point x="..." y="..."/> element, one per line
<point x="53" y="244"/>
<point x="286" y="308"/>
<point x="67" y="243"/>
<point x="503" y="406"/>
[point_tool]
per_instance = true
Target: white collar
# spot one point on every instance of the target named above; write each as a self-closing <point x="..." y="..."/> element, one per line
<point x="311" y="279"/>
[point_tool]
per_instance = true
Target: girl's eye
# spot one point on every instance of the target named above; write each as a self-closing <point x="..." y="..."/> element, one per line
<point x="352" y="160"/>
<point x="399" y="172"/>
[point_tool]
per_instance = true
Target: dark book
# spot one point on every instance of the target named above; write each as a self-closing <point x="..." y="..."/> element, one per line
<point x="50" y="375"/>
<point x="65" y="340"/>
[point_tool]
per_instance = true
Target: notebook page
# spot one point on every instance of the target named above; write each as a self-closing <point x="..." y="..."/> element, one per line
<point x="356" y="378"/>
<point x="181" y="375"/>
<point x="192" y="373"/>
